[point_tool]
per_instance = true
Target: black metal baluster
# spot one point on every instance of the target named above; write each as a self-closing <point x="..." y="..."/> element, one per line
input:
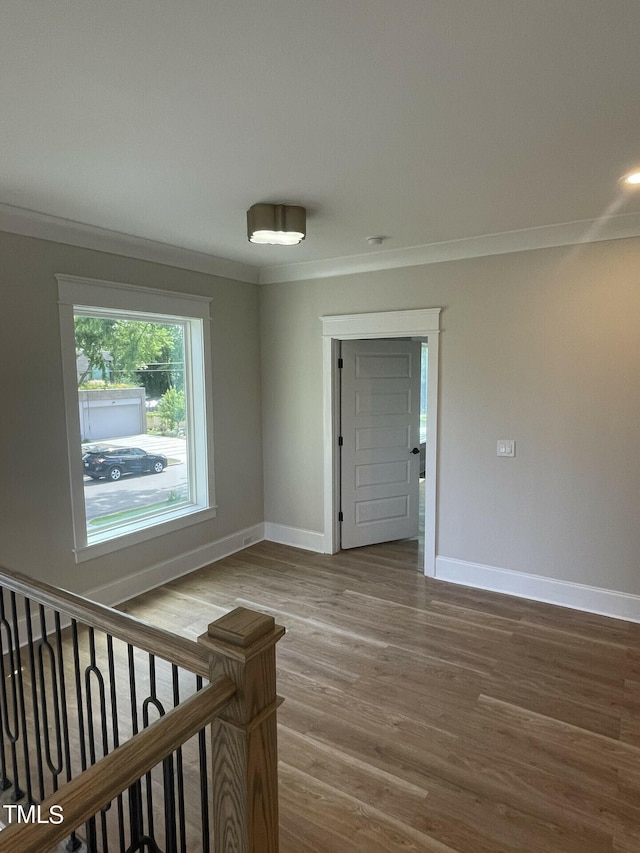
<point x="204" y="781"/>
<point x="150" y="701"/>
<point x="54" y="763"/>
<point x="90" y="825"/>
<point x="115" y="729"/>
<point x="11" y="731"/>
<point x="37" y="746"/>
<point x="4" y="780"/>
<point x="169" y="805"/>
<point x="135" y="791"/>
<point x="179" y="766"/>
<point x="139" y="840"/>
<point x="20" y="697"/>
<point x="74" y="842"/>
<point x="94" y="670"/>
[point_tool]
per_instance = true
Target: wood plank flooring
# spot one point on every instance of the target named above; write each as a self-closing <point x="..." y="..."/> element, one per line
<point x="422" y="716"/>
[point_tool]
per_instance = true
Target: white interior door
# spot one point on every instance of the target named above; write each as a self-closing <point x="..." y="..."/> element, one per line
<point x="380" y="431"/>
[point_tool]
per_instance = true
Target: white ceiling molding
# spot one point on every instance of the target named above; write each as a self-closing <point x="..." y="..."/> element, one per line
<point x="17" y="220"/>
<point x="564" y="234"/>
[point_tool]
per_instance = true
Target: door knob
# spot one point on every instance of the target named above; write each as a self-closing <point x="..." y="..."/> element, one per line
<point x="415" y="450"/>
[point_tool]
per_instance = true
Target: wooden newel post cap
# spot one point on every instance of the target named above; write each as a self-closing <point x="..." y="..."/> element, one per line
<point x="241" y="627"/>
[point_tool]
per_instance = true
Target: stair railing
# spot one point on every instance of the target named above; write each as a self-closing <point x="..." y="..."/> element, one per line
<point x="111" y="740"/>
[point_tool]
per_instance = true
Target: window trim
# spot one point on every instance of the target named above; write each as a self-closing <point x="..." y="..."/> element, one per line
<point x="97" y="294"/>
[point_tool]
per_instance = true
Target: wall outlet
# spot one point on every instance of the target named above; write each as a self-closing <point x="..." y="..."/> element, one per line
<point x="506" y="447"/>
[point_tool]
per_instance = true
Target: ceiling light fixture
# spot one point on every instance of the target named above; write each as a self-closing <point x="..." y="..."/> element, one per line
<point x="632" y="179"/>
<point x="276" y="224"/>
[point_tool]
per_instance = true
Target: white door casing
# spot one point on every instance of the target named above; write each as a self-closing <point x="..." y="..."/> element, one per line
<point x="380" y="427"/>
<point x="420" y="322"/>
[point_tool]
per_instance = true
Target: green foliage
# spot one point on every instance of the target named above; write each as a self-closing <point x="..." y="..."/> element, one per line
<point x="122" y="351"/>
<point x="167" y="373"/>
<point x="135" y="344"/>
<point x="93" y="336"/>
<point x="171" y="409"/>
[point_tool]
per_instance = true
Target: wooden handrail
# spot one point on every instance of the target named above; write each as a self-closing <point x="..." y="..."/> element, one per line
<point x="237" y="656"/>
<point x="86" y="794"/>
<point x="122" y="626"/>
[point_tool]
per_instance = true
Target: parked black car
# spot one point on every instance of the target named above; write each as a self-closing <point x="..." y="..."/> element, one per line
<point x="113" y="462"/>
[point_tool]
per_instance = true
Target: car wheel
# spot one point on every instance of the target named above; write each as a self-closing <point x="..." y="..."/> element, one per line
<point x="158" y="467"/>
<point x="115" y="473"/>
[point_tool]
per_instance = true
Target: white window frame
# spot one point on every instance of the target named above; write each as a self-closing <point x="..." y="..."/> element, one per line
<point x="162" y="306"/>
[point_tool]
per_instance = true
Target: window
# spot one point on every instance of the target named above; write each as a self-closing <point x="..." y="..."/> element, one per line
<point x="138" y="402"/>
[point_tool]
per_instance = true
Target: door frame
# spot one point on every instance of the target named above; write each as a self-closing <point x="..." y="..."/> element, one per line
<point x="421" y="322"/>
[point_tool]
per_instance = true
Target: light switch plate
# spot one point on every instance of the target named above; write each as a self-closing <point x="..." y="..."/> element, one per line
<point x="506" y="447"/>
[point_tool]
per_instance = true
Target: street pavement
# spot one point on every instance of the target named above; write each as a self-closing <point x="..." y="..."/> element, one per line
<point x="103" y="497"/>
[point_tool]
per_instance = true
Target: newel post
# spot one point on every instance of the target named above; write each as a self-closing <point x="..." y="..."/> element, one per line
<point x="244" y="737"/>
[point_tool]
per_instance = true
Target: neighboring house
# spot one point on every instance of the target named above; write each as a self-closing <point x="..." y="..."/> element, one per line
<point x="82" y="363"/>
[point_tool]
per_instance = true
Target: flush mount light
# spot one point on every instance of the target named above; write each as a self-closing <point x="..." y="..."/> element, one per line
<point x="276" y="224"/>
<point x="632" y="179"/>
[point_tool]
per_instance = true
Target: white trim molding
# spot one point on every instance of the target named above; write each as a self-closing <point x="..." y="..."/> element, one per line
<point x="123" y="589"/>
<point x="608" y="227"/>
<point x="577" y="596"/>
<point x="296" y="537"/>
<point x="30" y="223"/>
<point x="394" y="324"/>
<point x="147" y="579"/>
<point x="91" y="297"/>
<point x="419" y="323"/>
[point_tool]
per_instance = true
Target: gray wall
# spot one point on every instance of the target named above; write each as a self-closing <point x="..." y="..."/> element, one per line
<point x="542" y="347"/>
<point x="35" y="512"/>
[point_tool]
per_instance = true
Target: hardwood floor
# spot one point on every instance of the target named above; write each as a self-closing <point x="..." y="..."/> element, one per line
<point x="421" y="716"/>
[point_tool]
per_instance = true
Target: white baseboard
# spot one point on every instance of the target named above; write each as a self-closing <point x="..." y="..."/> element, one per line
<point x="297" y="537"/>
<point x="124" y="588"/>
<point x="147" y="579"/>
<point x="592" y="599"/>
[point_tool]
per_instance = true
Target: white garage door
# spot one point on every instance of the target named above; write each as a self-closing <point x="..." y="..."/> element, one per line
<point x="111" y="421"/>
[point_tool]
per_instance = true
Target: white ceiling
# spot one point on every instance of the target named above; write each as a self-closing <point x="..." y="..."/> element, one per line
<point x="421" y="120"/>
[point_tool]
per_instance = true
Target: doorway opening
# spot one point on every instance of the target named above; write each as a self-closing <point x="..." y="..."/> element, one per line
<point x="381" y="455"/>
<point x="421" y="324"/>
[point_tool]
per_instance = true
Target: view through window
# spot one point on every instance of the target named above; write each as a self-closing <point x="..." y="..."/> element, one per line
<point x="134" y="418"/>
<point x="138" y="401"/>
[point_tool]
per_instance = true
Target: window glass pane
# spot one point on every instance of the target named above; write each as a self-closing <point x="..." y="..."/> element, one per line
<point x="134" y="421"/>
<point x="423" y="393"/>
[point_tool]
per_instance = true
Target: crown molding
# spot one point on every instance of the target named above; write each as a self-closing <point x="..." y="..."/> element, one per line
<point x="18" y="220"/>
<point x="548" y="236"/>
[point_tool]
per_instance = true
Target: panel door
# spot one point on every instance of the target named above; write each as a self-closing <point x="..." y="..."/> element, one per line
<point x="380" y="430"/>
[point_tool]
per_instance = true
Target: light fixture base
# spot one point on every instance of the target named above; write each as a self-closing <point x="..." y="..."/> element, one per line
<point x="276" y="224"/>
